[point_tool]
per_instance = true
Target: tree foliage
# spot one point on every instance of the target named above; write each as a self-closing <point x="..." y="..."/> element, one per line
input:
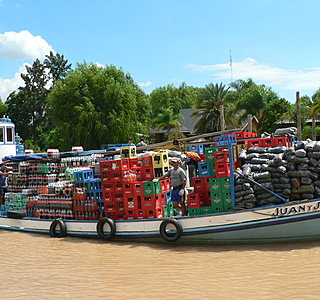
<point x="27" y="105"/>
<point x="95" y="106"/>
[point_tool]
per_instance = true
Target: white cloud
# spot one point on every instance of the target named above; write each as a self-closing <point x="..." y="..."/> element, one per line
<point x="269" y="75"/>
<point x="143" y="84"/>
<point x="22" y="46"/>
<point x="7" y="86"/>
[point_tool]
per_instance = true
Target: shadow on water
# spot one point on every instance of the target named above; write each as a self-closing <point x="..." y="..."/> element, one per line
<point x="185" y="247"/>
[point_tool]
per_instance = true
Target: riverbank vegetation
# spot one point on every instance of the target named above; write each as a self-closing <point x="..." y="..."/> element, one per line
<point x="89" y="105"/>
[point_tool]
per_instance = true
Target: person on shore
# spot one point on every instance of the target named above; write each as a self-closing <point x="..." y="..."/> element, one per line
<point x="141" y="143"/>
<point x="130" y="142"/>
<point x="178" y="184"/>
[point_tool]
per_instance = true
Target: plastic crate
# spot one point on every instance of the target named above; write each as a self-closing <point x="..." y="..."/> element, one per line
<point x="225" y="140"/>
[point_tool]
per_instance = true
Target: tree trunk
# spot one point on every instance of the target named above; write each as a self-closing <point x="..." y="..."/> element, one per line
<point x="222" y="120"/>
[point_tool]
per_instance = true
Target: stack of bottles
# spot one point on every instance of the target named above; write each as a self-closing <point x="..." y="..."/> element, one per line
<point x="57" y="203"/>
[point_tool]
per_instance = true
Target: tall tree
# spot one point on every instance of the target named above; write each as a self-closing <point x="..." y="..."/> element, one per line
<point x="57" y="66"/>
<point x="27" y="106"/>
<point x="211" y="104"/>
<point x="95" y="106"/>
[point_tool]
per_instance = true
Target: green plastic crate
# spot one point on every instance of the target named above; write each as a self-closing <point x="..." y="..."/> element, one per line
<point x="151" y="188"/>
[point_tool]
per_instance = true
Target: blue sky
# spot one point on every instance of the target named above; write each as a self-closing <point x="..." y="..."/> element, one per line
<point x="159" y="42"/>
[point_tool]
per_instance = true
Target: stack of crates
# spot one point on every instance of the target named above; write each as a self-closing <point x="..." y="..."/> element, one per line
<point x="137" y="196"/>
<point x="15" y="201"/>
<point x="112" y="173"/>
<point x="160" y="162"/>
<point x="220" y="194"/>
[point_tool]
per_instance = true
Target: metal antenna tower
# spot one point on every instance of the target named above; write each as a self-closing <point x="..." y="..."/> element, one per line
<point x="231" y="66"/>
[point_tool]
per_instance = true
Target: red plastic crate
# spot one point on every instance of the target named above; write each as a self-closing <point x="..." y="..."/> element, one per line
<point x="133" y="163"/>
<point x="105" y="176"/>
<point x="223" y="170"/>
<point x="117" y="175"/>
<point x="255" y="143"/>
<point x="107" y="186"/>
<point x="118" y="186"/>
<point x="198" y="183"/>
<point x="118" y="196"/>
<point x="138" y="173"/>
<point x="207" y="183"/>
<point x="147" y="161"/>
<point x="110" y="206"/>
<point x="165" y="184"/>
<point x="148" y="201"/>
<point x="221" y="156"/>
<point x="131" y="214"/>
<point x="195" y="200"/>
<point x="107" y="196"/>
<point x="147" y="173"/>
<point x="131" y="202"/>
<point x="140" y="214"/>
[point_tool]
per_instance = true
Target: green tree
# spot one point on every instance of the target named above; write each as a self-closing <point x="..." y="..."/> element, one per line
<point x="27" y="106"/>
<point x="257" y="100"/>
<point x="57" y="66"/>
<point x="173" y="98"/>
<point x="94" y="106"/>
<point x="211" y="104"/>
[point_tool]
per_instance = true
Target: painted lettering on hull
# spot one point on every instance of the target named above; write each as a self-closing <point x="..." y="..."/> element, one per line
<point x="304" y="208"/>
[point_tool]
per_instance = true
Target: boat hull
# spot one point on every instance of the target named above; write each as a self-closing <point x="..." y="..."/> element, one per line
<point x="281" y="223"/>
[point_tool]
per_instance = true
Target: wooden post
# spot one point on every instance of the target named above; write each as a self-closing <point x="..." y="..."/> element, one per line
<point x="298" y="116"/>
<point x="314" y="130"/>
<point x="249" y="122"/>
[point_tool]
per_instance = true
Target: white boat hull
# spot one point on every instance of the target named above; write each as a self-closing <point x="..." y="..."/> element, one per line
<point x="281" y="223"/>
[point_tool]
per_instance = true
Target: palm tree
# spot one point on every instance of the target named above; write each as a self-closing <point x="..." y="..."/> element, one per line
<point x="211" y="104"/>
<point x="166" y="119"/>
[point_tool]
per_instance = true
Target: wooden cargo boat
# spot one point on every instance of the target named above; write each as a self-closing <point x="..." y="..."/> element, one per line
<point x="285" y="222"/>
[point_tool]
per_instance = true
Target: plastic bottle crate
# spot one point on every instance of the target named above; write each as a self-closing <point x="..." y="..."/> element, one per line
<point x="160" y="159"/>
<point x="225" y="140"/>
<point x="195" y="211"/>
<point x="147" y="173"/>
<point x="196" y="148"/>
<point x="195" y="200"/>
<point x="151" y="188"/>
<point x="221" y="156"/>
<point x="209" y="154"/>
<point x="131" y="202"/>
<point x="198" y="184"/>
<point x="84" y="175"/>
<point x="217" y="201"/>
<point x="147" y="161"/>
<point x="204" y="169"/>
<point x="160" y="171"/>
<point x="168" y="210"/>
<point x="128" y="152"/>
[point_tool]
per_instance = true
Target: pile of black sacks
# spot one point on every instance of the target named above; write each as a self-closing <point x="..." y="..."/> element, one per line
<point x="292" y="173"/>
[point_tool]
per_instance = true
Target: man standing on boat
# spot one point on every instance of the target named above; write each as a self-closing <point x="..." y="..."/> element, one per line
<point x="3" y="183"/>
<point x="178" y="183"/>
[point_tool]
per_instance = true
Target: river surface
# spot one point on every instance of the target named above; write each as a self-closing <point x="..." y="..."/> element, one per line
<point x="39" y="267"/>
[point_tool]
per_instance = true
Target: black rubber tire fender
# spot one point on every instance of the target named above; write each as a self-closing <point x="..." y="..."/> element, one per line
<point x="112" y="226"/>
<point x="62" y="227"/>
<point x="170" y="237"/>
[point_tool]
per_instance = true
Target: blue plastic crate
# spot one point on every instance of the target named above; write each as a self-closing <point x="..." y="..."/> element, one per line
<point x="196" y="148"/>
<point x="84" y="175"/>
<point x="225" y="140"/>
<point x="204" y="169"/>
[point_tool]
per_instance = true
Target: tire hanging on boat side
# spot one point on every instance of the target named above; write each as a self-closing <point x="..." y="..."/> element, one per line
<point x="100" y="230"/>
<point x="170" y="237"/>
<point x="62" y="228"/>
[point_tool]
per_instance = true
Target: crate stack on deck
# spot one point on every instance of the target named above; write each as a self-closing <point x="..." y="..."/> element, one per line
<point x="212" y="186"/>
<point x="128" y="189"/>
